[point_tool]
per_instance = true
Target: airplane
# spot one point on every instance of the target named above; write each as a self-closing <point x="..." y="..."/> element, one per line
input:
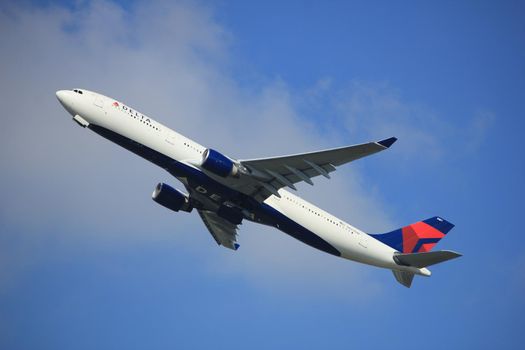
<point x="225" y="191"/>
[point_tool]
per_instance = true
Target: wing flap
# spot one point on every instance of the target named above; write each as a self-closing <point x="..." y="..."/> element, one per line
<point x="223" y="231"/>
<point x="277" y="172"/>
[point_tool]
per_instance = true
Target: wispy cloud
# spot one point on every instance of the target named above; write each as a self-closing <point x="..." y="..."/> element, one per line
<point x="377" y="108"/>
<point x="478" y="129"/>
<point x="175" y="69"/>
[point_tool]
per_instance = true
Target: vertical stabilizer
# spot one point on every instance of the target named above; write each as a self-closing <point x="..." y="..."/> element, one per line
<point x="419" y="237"/>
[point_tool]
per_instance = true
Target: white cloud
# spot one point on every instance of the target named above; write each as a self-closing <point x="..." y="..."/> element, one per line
<point x="377" y="109"/>
<point x="170" y="60"/>
<point x="478" y="129"/>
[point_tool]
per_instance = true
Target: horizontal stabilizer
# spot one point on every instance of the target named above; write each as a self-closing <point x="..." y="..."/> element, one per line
<point x="425" y="259"/>
<point x="404" y="277"/>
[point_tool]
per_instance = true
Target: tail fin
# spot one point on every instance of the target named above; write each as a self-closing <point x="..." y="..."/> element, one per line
<point x="416" y="238"/>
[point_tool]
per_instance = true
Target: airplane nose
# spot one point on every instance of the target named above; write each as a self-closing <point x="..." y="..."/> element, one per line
<point x="66" y="100"/>
<point x="60" y="95"/>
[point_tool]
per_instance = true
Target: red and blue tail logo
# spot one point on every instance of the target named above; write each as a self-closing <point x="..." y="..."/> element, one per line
<point x="416" y="238"/>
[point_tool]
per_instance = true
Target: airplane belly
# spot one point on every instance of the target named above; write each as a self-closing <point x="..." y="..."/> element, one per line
<point x="270" y="215"/>
<point x="331" y="236"/>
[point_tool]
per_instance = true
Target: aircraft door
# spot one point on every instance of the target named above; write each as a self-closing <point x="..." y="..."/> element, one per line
<point x="171" y="139"/>
<point x="363" y="239"/>
<point x="98" y="101"/>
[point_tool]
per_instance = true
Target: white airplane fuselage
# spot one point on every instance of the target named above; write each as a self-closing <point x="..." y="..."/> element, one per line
<point x="179" y="155"/>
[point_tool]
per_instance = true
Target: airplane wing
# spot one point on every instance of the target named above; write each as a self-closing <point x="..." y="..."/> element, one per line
<point x="223" y="231"/>
<point x="277" y="172"/>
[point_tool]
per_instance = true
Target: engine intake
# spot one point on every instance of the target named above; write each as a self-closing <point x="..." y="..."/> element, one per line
<point x="171" y="198"/>
<point x="219" y="164"/>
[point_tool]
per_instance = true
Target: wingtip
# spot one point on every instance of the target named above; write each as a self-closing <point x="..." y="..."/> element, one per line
<point x="387" y="142"/>
<point x="454" y="254"/>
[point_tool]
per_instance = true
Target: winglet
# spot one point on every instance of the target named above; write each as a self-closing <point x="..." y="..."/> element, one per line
<point x="387" y="142"/>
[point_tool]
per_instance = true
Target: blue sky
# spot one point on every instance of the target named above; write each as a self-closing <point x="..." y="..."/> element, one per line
<point x="87" y="260"/>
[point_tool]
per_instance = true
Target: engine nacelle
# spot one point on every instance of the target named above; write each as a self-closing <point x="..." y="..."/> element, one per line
<point x="219" y="164"/>
<point x="171" y="198"/>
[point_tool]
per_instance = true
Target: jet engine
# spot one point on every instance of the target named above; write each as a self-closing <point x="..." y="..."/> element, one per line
<point x="171" y="198"/>
<point x="219" y="164"/>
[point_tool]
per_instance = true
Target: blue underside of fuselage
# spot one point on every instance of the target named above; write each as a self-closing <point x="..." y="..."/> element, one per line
<point x="264" y="213"/>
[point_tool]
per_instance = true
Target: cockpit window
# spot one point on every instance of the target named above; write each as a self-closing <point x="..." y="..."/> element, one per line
<point x="77" y="91"/>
